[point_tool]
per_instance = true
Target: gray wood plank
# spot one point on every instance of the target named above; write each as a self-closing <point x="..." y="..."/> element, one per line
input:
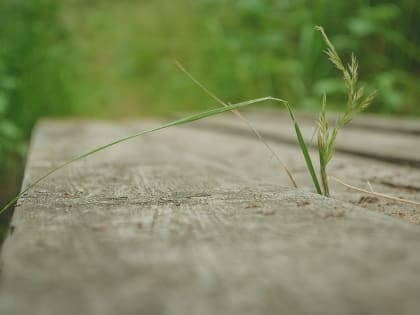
<point x="389" y="161"/>
<point x="395" y="147"/>
<point x="387" y="124"/>
<point x="187" y="221"/>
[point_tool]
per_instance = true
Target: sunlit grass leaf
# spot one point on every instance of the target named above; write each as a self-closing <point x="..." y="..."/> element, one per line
<point x="304" y="150"/>
<point x="180" y="121"/>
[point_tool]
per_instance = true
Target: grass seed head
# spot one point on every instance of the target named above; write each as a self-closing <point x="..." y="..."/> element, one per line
<point x="356" y="102"/>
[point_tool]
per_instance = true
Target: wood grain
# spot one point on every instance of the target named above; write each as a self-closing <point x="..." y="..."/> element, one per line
<point x="187" y="221"/>
<point x="397" y="145"/>
<point x="388" y="160"/>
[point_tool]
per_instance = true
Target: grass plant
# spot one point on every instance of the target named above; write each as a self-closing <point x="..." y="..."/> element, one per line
<point x="356" y="102"/>
<point x="326" y="137"/>
<point x="180" y="121"/>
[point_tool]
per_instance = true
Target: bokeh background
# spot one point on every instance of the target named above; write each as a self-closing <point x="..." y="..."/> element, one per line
<point x="115" y="58"/>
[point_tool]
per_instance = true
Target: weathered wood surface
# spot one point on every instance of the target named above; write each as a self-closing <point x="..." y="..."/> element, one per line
<point x="187" y="221"/>
<point x="399" y="144"/>
<point x="389" y="160"/>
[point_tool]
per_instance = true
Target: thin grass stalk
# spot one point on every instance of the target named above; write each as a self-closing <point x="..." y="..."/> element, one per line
<point x="323" y="146"/>
<point x="180" y="121"/>
<point x="374" y="193"/>
<point x="238" y="114"/>
<point x="324" y="180"/>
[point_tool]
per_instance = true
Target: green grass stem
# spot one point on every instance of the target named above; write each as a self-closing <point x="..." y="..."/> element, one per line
<point x="304" y="150"/>
<point x="237" y="113"/>
<point x="180" y="121"/>
<point x="356" y="102"/>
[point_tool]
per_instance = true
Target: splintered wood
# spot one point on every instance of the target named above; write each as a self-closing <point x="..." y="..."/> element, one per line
<point x="200" y="220"/>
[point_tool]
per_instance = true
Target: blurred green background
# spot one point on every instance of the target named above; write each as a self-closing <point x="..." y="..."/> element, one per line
<point x="115" y="58"/>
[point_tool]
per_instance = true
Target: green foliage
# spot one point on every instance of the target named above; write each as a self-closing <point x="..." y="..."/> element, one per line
<point x="35" y="76"/>
<point x="35" y="62"/>
<point x="243" y="48"/>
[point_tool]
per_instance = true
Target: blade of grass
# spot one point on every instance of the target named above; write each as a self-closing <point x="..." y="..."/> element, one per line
<point x="180" y="121"/>
<point x="304" y="150"/>
<point x="237" y="113"/>
<point x="302" y="143"/>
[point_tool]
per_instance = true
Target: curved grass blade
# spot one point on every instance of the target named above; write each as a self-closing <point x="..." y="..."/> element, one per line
<point x="304" y="149"/>
<point x="180" y="121"/>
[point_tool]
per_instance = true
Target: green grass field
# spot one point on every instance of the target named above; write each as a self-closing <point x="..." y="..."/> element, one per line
<point x="241" y="49"/>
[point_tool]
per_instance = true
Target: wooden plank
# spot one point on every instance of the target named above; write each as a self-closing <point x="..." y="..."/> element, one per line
<point x="395" y="147"/>
<point x="369" y="162"/>
<point x="187" y="221"/>
<point x="403" y="125"/>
